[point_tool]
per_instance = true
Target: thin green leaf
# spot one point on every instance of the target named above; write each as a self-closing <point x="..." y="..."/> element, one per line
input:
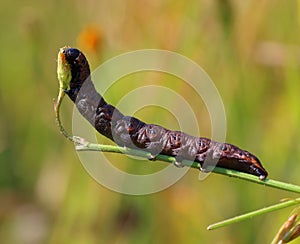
<point x="254" y="213"/>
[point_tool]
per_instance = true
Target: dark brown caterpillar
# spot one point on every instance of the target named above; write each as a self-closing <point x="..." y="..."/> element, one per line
<point x="131" y="132"/>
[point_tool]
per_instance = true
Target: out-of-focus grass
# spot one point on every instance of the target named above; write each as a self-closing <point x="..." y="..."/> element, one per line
<point x="249" y="48"/>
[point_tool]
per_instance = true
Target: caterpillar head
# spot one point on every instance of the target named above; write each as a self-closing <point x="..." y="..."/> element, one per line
<point x="72" y="68"/>
<point x="63" y="70"/>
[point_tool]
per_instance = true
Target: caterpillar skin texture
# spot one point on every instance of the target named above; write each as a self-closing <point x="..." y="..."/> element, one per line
<point x="133" y="133"/>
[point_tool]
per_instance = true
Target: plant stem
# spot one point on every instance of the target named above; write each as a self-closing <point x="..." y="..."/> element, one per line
<point x="254" y="213"/>
<point x="83" y="145"/>
<point x="57" y="105"/>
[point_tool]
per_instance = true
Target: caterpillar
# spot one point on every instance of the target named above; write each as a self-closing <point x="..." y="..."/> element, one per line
<point x="131" y="132"/>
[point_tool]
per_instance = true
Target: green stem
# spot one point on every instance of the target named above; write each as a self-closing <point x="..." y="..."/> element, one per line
<point x="57" y="105"/>
<point x="82" y="145"/>
<point x="254" y="213"/>
<point x="86" y="146"/>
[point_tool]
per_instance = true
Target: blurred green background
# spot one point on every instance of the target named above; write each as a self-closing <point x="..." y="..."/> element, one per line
<point x="249" y="48"/>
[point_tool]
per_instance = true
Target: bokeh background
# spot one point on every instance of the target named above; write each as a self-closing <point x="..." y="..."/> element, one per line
<point x="251" y="49"/>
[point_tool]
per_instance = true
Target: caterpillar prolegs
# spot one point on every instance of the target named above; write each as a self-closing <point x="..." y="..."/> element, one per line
<point x="131" y="132"/>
